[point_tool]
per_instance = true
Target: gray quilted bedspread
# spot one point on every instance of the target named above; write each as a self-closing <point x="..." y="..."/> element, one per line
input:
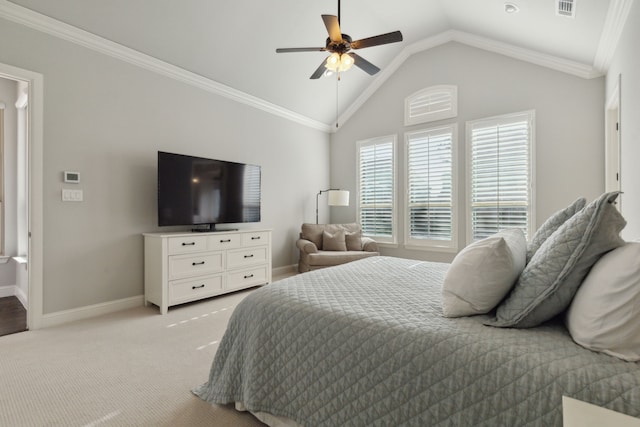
<point x="365" y="344"/>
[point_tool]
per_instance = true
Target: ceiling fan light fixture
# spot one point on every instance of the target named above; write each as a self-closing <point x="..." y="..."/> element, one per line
<point x="333" y="62"/>
<point x="346" y="62"/>
<point x="339" y="63"/>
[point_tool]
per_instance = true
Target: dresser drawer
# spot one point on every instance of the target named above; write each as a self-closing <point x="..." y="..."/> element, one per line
<point x="193" y="289"/>
<point x="181" y="266"/>
<point x="187" y="244"/>
<point x="247" y="277"/>
<point x="258" y="238"/>
<point x="224" y="241"/>
<point x="249" y="256"/>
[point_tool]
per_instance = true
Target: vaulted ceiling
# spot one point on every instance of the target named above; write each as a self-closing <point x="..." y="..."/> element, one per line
<point x="233" y="42"/>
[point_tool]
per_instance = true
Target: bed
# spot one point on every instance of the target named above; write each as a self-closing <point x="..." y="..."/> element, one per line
<point x="366" y="344"/>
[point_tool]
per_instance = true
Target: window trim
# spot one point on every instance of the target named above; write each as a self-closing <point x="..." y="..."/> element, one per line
<point x="531" y="118"/>
<point x="384" y="241"/>
<point x="428" y="244"/>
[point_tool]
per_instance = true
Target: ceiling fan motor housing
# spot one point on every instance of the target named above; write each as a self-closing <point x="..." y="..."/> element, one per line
<point x="343" y="46"/>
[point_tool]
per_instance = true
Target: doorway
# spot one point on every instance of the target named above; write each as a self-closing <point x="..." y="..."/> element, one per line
<point x="22" y="182"/>
<point x="613" y="128"/>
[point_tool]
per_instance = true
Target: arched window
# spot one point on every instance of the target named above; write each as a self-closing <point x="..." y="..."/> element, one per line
<point x="431" y="104"/>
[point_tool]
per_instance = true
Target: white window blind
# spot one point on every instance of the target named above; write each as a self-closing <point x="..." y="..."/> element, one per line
<point x="430" y="104"/>
<point x="430" y="216"/>
<point x="251" y="193"/>
<point x="376" y="188"/>
<point x="500" y="161"/>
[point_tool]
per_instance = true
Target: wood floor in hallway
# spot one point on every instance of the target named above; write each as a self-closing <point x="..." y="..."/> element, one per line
<point x="13" y="316"/>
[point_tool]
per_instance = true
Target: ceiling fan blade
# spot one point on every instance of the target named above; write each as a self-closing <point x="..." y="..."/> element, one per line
<point x="333" y="27"/>
<point x="367" y="66"/>
<point x="319" y="71"/>
<point x="393" y="37"/>
<point x="300" y="49"/>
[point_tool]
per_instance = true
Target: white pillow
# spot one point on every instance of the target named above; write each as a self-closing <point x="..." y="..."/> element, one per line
<point x="483" y="273"/>
<point x="604" y="315"/>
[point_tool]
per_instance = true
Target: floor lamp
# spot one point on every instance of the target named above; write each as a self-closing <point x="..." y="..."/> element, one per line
<point x="336" y="197"/>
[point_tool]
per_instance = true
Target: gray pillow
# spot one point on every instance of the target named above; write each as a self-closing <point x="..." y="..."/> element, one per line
<point x="552" y="224"/>
<point x="334" y="241"/>
<point x="552" y="277"/>
<point x="354" y="240"/>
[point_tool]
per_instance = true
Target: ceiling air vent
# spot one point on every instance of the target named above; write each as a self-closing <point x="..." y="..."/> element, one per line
<point x="566" y="8"/>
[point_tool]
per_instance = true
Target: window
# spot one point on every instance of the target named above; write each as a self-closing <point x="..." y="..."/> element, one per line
<point x="430" y="182"/>
<point x="430" y="104"/>
<point x="500" y="161"/>
<point x="251" y="193"/>
<point x="376" y="188"/>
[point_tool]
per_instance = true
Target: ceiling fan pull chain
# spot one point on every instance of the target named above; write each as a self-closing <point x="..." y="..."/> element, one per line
<point x="337" y="81"/>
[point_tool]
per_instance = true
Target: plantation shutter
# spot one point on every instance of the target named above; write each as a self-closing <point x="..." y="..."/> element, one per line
<point x="501" y="175"/>
<point x="430" y="187"/>
<point x="251" y="193"/>
<point x="376" y="188"/>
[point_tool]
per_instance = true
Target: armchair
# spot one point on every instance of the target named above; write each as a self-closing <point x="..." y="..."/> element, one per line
<point x="326" y="245"/>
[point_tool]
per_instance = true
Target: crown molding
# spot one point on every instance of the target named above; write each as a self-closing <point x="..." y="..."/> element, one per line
<point x="559" y="64"/>
<point x="611" y="32"/>
<point x="45" y="24"/>
<point x="577" y="69"/>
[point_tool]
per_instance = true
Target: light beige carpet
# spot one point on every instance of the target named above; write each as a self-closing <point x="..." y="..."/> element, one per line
<point x="131" y="368"/>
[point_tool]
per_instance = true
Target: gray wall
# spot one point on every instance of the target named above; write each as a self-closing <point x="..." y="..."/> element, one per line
<point x="569" y="126"/>
<point x="107" y="119"/>
<point x="626" y="63"/>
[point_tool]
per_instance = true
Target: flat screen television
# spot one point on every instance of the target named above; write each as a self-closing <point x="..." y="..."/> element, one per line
<point x="195" y="191"/>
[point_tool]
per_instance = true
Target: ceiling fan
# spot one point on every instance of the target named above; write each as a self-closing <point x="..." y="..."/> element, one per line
<point x="340" y="46"/>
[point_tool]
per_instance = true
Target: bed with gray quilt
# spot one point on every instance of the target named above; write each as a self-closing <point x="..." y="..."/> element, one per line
<point x="365" y="344"/>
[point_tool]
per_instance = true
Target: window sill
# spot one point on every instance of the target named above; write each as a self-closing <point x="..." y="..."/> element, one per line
<point x="20" y="259"/>
<point x="4" y="259"/>
<point x="426" y="248"/>
<point x="387" y="245"/>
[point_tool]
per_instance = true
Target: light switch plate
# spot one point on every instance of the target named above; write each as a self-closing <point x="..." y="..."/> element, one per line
<point x="72" y="195"/>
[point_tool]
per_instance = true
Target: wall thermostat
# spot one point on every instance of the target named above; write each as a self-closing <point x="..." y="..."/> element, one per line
<point x="72" y="177"/>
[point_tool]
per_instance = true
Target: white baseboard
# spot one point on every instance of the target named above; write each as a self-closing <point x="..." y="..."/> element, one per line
<point x="7" y="291"/>
<point x="286" y="270"/>
<point x="24" y="299"/>
<point x="15" y="291"/>
<point x="65" y="316"/>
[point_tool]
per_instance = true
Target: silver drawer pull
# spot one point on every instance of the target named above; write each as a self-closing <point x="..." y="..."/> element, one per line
<point x="255" y="238"/>
<point x="249" y="256"/>
<point x="225" y="241"/>
<point x="188" y="243"/>
<point x="249" y="276"/>
<point x="197" y="287"/>
<point x="198" y="263"/>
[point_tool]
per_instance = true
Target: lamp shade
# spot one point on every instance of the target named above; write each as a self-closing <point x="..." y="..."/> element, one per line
<point x="338" y="198"/>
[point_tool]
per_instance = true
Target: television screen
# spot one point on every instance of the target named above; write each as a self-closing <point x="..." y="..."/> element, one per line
<point x="196" y="190"/>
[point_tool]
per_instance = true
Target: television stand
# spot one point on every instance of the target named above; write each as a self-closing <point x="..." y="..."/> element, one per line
<point x="183" y="267"/>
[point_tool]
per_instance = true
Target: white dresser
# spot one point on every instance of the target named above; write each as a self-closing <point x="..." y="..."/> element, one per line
<point x="183" y="267"/>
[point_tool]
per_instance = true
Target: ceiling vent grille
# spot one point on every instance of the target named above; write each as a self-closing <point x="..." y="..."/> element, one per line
<point x="566" y="8"/>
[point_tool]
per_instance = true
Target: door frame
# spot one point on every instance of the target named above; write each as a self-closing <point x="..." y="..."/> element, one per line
<point x="35" y="157"/>
<point x="613" y="148"/>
